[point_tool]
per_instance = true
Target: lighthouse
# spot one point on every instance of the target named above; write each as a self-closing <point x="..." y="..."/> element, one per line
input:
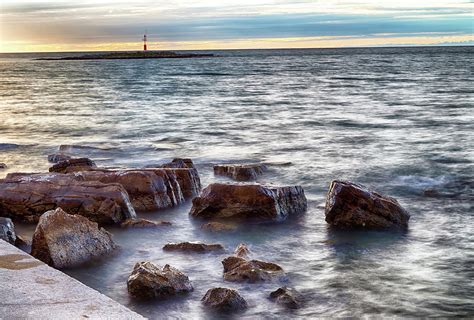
<point x="144" y="42"/>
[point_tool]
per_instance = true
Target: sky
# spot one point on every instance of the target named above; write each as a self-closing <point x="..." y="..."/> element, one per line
<point x="58" y="25"/>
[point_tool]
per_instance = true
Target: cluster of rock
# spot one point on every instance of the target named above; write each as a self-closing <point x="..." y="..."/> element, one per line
<point x="76" y="197"/>
<point x="102" y="195"/>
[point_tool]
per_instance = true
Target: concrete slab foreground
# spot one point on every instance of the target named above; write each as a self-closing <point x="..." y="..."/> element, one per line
<point x="30" y="289"/>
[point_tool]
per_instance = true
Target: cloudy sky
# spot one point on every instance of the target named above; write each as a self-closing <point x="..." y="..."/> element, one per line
<point x="225" y="24"/>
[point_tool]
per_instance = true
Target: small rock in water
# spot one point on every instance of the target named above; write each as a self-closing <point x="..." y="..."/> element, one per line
<point x="22" y="241"/>
<point x="242" y="251"/>
<point x="217" y="227"/>
<point x="7" y="230"/>
<point x="241" y="270"/>
<point x="349" y="205"/>
<point x="58" y="157"/>
<point x="3" y="165"/>
<point x="432" y="193"/>
<point x="286" y="297"/>
<point x="143" y="223"/>
<point x="63" y="240"/>
<point x="240" y="172"/>
<point x="248" y="202"/>
<point x="148" y="281"/>
<point x="73" y="165"/>
<point x="197" y="247"/>
<point x="224" y="299"/>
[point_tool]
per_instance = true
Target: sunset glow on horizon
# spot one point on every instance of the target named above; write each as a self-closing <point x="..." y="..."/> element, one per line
<point x="40" y="26"/>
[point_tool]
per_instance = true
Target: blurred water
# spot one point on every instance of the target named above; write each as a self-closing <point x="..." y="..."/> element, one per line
<point x="398" y="120"/>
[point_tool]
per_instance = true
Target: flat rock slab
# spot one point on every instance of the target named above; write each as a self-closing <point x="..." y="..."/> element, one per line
<point x="196" y="247"/>
<point x="27" y="197"/>
<point x="29" y="289"/>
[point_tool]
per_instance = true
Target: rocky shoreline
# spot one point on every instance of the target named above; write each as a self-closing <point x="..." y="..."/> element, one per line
<point x="73" y="202"/>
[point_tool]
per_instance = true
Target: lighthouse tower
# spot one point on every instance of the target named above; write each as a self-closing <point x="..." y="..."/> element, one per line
<point x="144" y="42"/>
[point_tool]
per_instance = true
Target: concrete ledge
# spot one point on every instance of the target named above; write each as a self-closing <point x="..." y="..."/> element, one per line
<point x="29" y="289"/>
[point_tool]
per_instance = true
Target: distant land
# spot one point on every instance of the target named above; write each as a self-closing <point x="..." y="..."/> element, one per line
<point x="134" y="55"/>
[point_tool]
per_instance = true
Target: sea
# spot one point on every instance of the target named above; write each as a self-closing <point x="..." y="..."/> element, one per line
<point x="397" y="120"/>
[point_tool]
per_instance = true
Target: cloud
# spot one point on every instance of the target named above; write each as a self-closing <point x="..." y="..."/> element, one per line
<point x="40" y="22"/>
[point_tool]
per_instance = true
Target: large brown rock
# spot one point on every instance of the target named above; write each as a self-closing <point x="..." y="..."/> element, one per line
<point x="224" y="299"/>
<point x="147" y="190"/>
<point x="26" y="197"/>
<point x="7" y="230"/>
<point x="350" y="205"/>
<point x="73" y="165"/>
<point x="148" y="281"/>
<point x="253" y="202"/>
<point x="63" y="240"/>
<point x="240" y="172"/>
<point x="241" y="270"/>
<point x="196" y="247"/>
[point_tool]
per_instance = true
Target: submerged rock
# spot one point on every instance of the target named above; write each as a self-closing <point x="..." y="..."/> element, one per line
<point x="286" y="297"/>
<point x="240" y="172"/>
<point x="63" y="240"/>
<point x="241" y="270"/>
<point x="242" y="251"/>
<point x="224" y="299"/>
<point x="148" y="281"/>
<point x="58" y="157"/>
<point x="7" y="230"/>
<point x="197" y="247"/>
<point x="253" y="202"/>
<point x="99" y="202"/>
<point x="143" y="223"/>
<point x="73" y="165"/>
<point x="3" y="165"/>
<point x="349" y="205"/>
<point x="217" y="227"/>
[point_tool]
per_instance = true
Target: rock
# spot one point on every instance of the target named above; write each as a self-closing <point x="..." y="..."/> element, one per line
<point x="73" y="165"/>
<point x="224" y="299"/>
<point x="147" y="190"/>
<point x="148" y="281"/>
<point x="102" y="203"/>
<point x="3" y="166"/>
<point x="349" y="205"/>
<point x="143" y="223"/>
<point x="22" y="241"/>
<point x="286" y="297"/>
<point x="248" y="202"/>
<point x="58" y="157"/>
<point x="63" y="240"/>
<point x="217" y="227"/>
<point x="179" y="163"/>
<point x="196" y="247"/>
<point x="240" y="172"/>
<point x="242" y="251"/>
<point x="432" y="193"/>
<point x="241" y="270"/>
<point x="7" y="230"/>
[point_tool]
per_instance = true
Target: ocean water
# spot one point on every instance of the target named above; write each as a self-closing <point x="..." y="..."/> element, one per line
<point x="400" y="121"/>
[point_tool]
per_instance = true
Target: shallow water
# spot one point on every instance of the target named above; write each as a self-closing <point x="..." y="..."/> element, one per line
<point x="397" y="120"/>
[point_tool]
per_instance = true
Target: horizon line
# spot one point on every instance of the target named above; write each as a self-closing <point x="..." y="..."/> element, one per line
<point x="267" y="49"/>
